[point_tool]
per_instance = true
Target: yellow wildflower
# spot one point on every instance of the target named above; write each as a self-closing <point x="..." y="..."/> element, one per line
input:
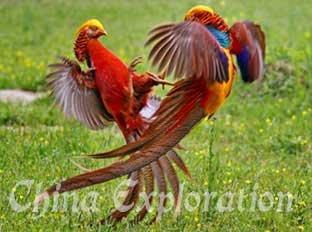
<point x="290" y="196"/>
<point x="302" y="203"/>
<point x="19" y="53"/>
<point x="307" y="34"/>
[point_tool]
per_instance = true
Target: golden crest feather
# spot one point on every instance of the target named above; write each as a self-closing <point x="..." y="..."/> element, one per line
<point x="91" y="22"/>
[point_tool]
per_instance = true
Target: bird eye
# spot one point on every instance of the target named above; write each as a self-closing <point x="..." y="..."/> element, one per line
<point x="93" y="28"/>
<point x="91" y="31"/>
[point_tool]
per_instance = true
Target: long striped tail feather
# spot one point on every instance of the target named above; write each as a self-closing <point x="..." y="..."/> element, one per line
<point x="149" y="151"/>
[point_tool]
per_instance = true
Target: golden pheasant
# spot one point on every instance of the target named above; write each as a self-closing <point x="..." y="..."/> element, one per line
<point x="108" y="91"/>
<point x="198" y="51"/>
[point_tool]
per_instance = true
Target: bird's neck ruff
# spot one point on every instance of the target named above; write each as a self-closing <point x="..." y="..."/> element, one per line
<point x="213" y="22"/>
<point x="222" y="37"/>
<point x="207" y="17"/>
<point x="80" y="48"/>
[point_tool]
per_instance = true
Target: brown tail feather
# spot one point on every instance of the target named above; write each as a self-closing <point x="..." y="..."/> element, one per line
<point x="173" y="111"/>
<point x="131" y="198"/>
<point x="126" y="149"/>
<point x="136" y="161"/>
<point x="172" y="178"/>
<point x="173" y="156"/>
<point x="149" y="188"/>
<point x="151" y="146"/>
<point x="162" y="188"/>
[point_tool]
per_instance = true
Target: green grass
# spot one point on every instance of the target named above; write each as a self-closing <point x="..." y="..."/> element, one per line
<point x="262" y="135"/>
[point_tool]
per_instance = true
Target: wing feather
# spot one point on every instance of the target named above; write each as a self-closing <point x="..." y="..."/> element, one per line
<point x="75" y="100"/>
<point x="187" y="49"/>
<point x="251" y="57"/>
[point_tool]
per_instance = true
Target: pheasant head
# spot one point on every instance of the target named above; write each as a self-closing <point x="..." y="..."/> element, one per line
<point x="91" y="29"/>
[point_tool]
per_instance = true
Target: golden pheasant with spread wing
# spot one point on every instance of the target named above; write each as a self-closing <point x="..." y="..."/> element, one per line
<point x="199" y="51"/>
<point x="107" y="91"/>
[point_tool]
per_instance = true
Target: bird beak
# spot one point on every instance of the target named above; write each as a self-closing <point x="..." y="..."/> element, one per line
<point x="100" y="32"/>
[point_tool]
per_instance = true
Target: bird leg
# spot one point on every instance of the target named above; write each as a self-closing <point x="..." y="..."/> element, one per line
<point x="158" y="79"/>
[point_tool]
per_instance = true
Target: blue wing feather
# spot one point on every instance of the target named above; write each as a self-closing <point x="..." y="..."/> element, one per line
<point x="243" y="60"/>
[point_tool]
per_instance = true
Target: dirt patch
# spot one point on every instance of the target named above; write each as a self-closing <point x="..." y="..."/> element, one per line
<point x="14" y="95"/>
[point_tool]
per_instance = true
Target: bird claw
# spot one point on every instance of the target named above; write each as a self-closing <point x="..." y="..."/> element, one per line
<point x="162" y="75"/>
<point x="132" y="66"/>
<point x="159" y="79"/>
